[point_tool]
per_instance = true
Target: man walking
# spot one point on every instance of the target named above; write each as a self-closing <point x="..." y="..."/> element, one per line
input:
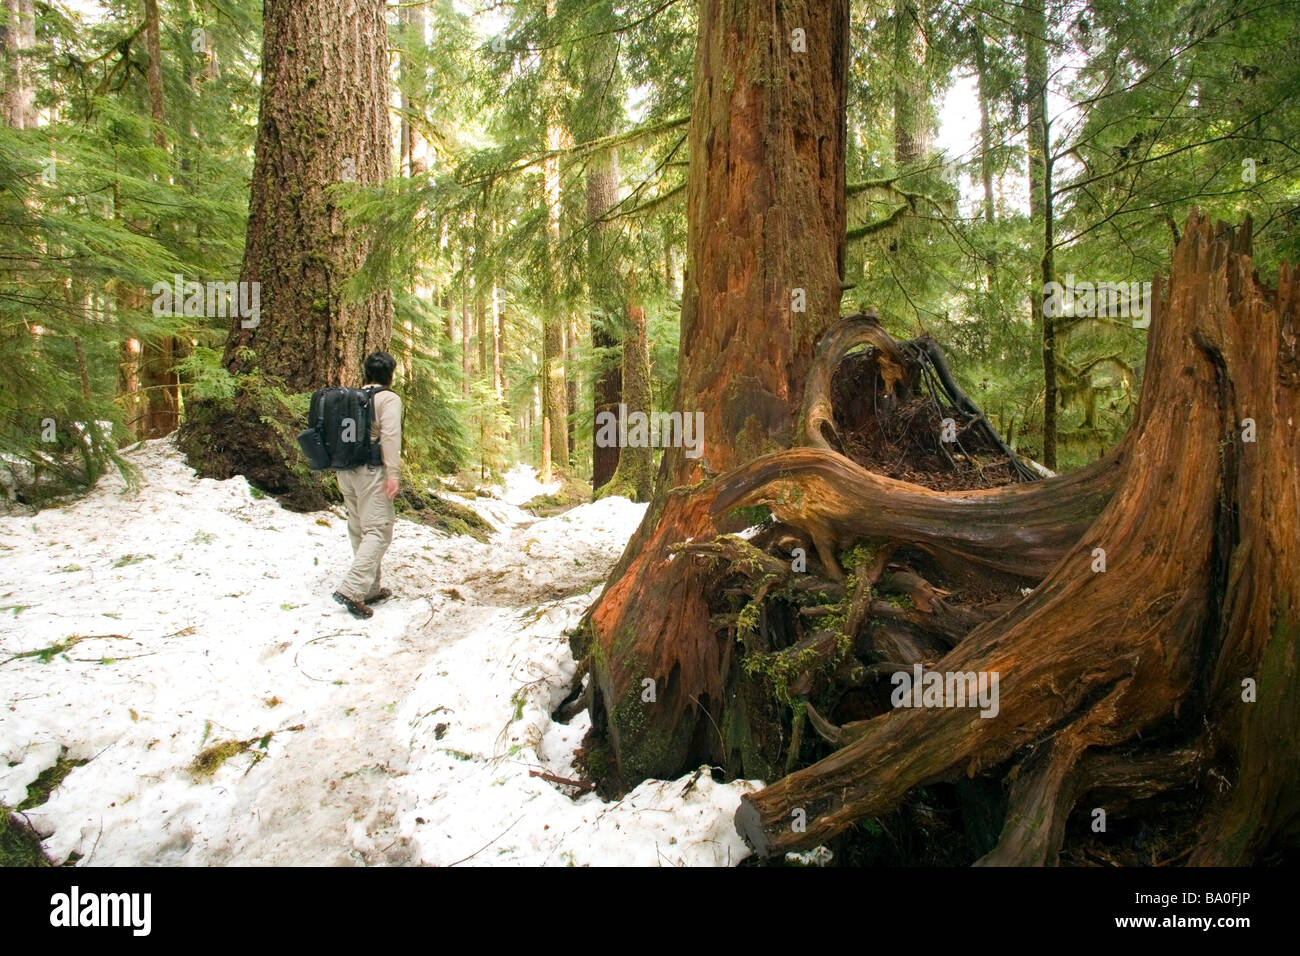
<point x="368" y="493"/>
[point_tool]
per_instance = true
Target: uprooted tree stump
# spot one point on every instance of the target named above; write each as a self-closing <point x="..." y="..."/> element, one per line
<point x="1140" y="614"/>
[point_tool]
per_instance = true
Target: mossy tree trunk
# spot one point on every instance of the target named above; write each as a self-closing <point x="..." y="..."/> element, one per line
<point x="765" y="225"/>
<point x="323" y="123"/>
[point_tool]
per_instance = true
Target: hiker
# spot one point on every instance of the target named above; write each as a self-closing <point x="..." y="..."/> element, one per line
<point x="369" y="490"/>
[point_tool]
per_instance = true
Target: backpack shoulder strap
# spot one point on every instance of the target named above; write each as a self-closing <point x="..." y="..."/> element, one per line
<point x="371" y="392"/>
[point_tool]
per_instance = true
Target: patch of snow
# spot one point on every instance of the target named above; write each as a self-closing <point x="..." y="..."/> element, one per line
<point x="193" y="613"/>
<point x="817" y="856"/>
<point x="520" y="485"/>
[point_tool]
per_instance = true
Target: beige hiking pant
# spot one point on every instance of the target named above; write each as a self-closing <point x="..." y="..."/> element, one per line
<point x="370" y="527"/>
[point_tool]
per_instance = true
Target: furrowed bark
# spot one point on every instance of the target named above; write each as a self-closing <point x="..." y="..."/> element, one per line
<point x="765" y="223"/>
<point x="1199" y="579"/>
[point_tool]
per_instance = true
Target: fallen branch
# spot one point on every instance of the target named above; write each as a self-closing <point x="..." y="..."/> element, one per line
<point x="565" y="781"/>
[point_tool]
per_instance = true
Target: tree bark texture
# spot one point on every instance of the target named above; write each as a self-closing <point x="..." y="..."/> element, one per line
<point x="323" y="122"/>
<point x="1142" y="677"/>
<point x="765" y="225"/>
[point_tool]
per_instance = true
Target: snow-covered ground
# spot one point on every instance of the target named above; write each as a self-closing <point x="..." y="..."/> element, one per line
<point x="202" y="616"/>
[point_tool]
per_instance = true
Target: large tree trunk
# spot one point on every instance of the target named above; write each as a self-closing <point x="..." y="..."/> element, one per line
<point x="1157" y="655"/>
<point x="324" y="68"/>
<point x="765" y="225"/>
<point x="323" y="120"/>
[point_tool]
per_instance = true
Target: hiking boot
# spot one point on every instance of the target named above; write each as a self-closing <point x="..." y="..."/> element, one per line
<point x="355" y="609"/>
<point x="383" y="595"/>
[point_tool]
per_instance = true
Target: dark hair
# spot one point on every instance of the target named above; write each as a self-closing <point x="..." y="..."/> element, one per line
<point x="379" y="368"/>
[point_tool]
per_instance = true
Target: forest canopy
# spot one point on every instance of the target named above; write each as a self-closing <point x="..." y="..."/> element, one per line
<point x="531" y="214"/>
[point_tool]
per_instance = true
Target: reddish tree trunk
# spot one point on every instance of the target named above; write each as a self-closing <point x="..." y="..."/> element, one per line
<point x="1166" y="667"/>
<point x="765" y="224"/>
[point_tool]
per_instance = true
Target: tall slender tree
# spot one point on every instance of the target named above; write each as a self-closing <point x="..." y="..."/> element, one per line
<point x="601" y="91"/>
<point x="1038" y="133"/>
<point x="17" y="38"/>
<point x="157" y="376"/>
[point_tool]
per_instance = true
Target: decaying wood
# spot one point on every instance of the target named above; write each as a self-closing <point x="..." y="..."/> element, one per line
<point x="850" y="333"/>
<point x="902" y="368"/>
<point x="1150" y="597"/>
<point x="1198" y="595"/>
<point x="1020" y="530"/>
<point x="654" y="621"/>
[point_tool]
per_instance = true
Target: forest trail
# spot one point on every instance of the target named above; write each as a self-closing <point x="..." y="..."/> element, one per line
<point x="163" y="633"/>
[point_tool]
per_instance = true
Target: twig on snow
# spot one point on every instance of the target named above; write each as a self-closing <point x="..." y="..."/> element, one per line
<point x="485" y="845"/>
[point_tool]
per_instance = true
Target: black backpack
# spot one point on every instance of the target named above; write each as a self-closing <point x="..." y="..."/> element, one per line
<point x="338" y="434"/>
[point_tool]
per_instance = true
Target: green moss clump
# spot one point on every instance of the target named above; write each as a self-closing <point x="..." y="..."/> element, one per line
<point x="781" y="668"/>
<point x="860" y="556"/>
<point x="596" y="762"/>
<point x="647" y="749"/>
<point x="209" y="761"/>
<point x="617" y="487"/>
<point x="570" y="494"/>
<point x="582" y="641"/>
<point x="19" y="843"/>
<point x="38" y="791"/>
<point x="749" y="516"/>
<point x="441" y="513"/>
<point x="254" y="433"/>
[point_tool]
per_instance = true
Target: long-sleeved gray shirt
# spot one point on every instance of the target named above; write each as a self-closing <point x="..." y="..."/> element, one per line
<point x="388" y="417"/>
